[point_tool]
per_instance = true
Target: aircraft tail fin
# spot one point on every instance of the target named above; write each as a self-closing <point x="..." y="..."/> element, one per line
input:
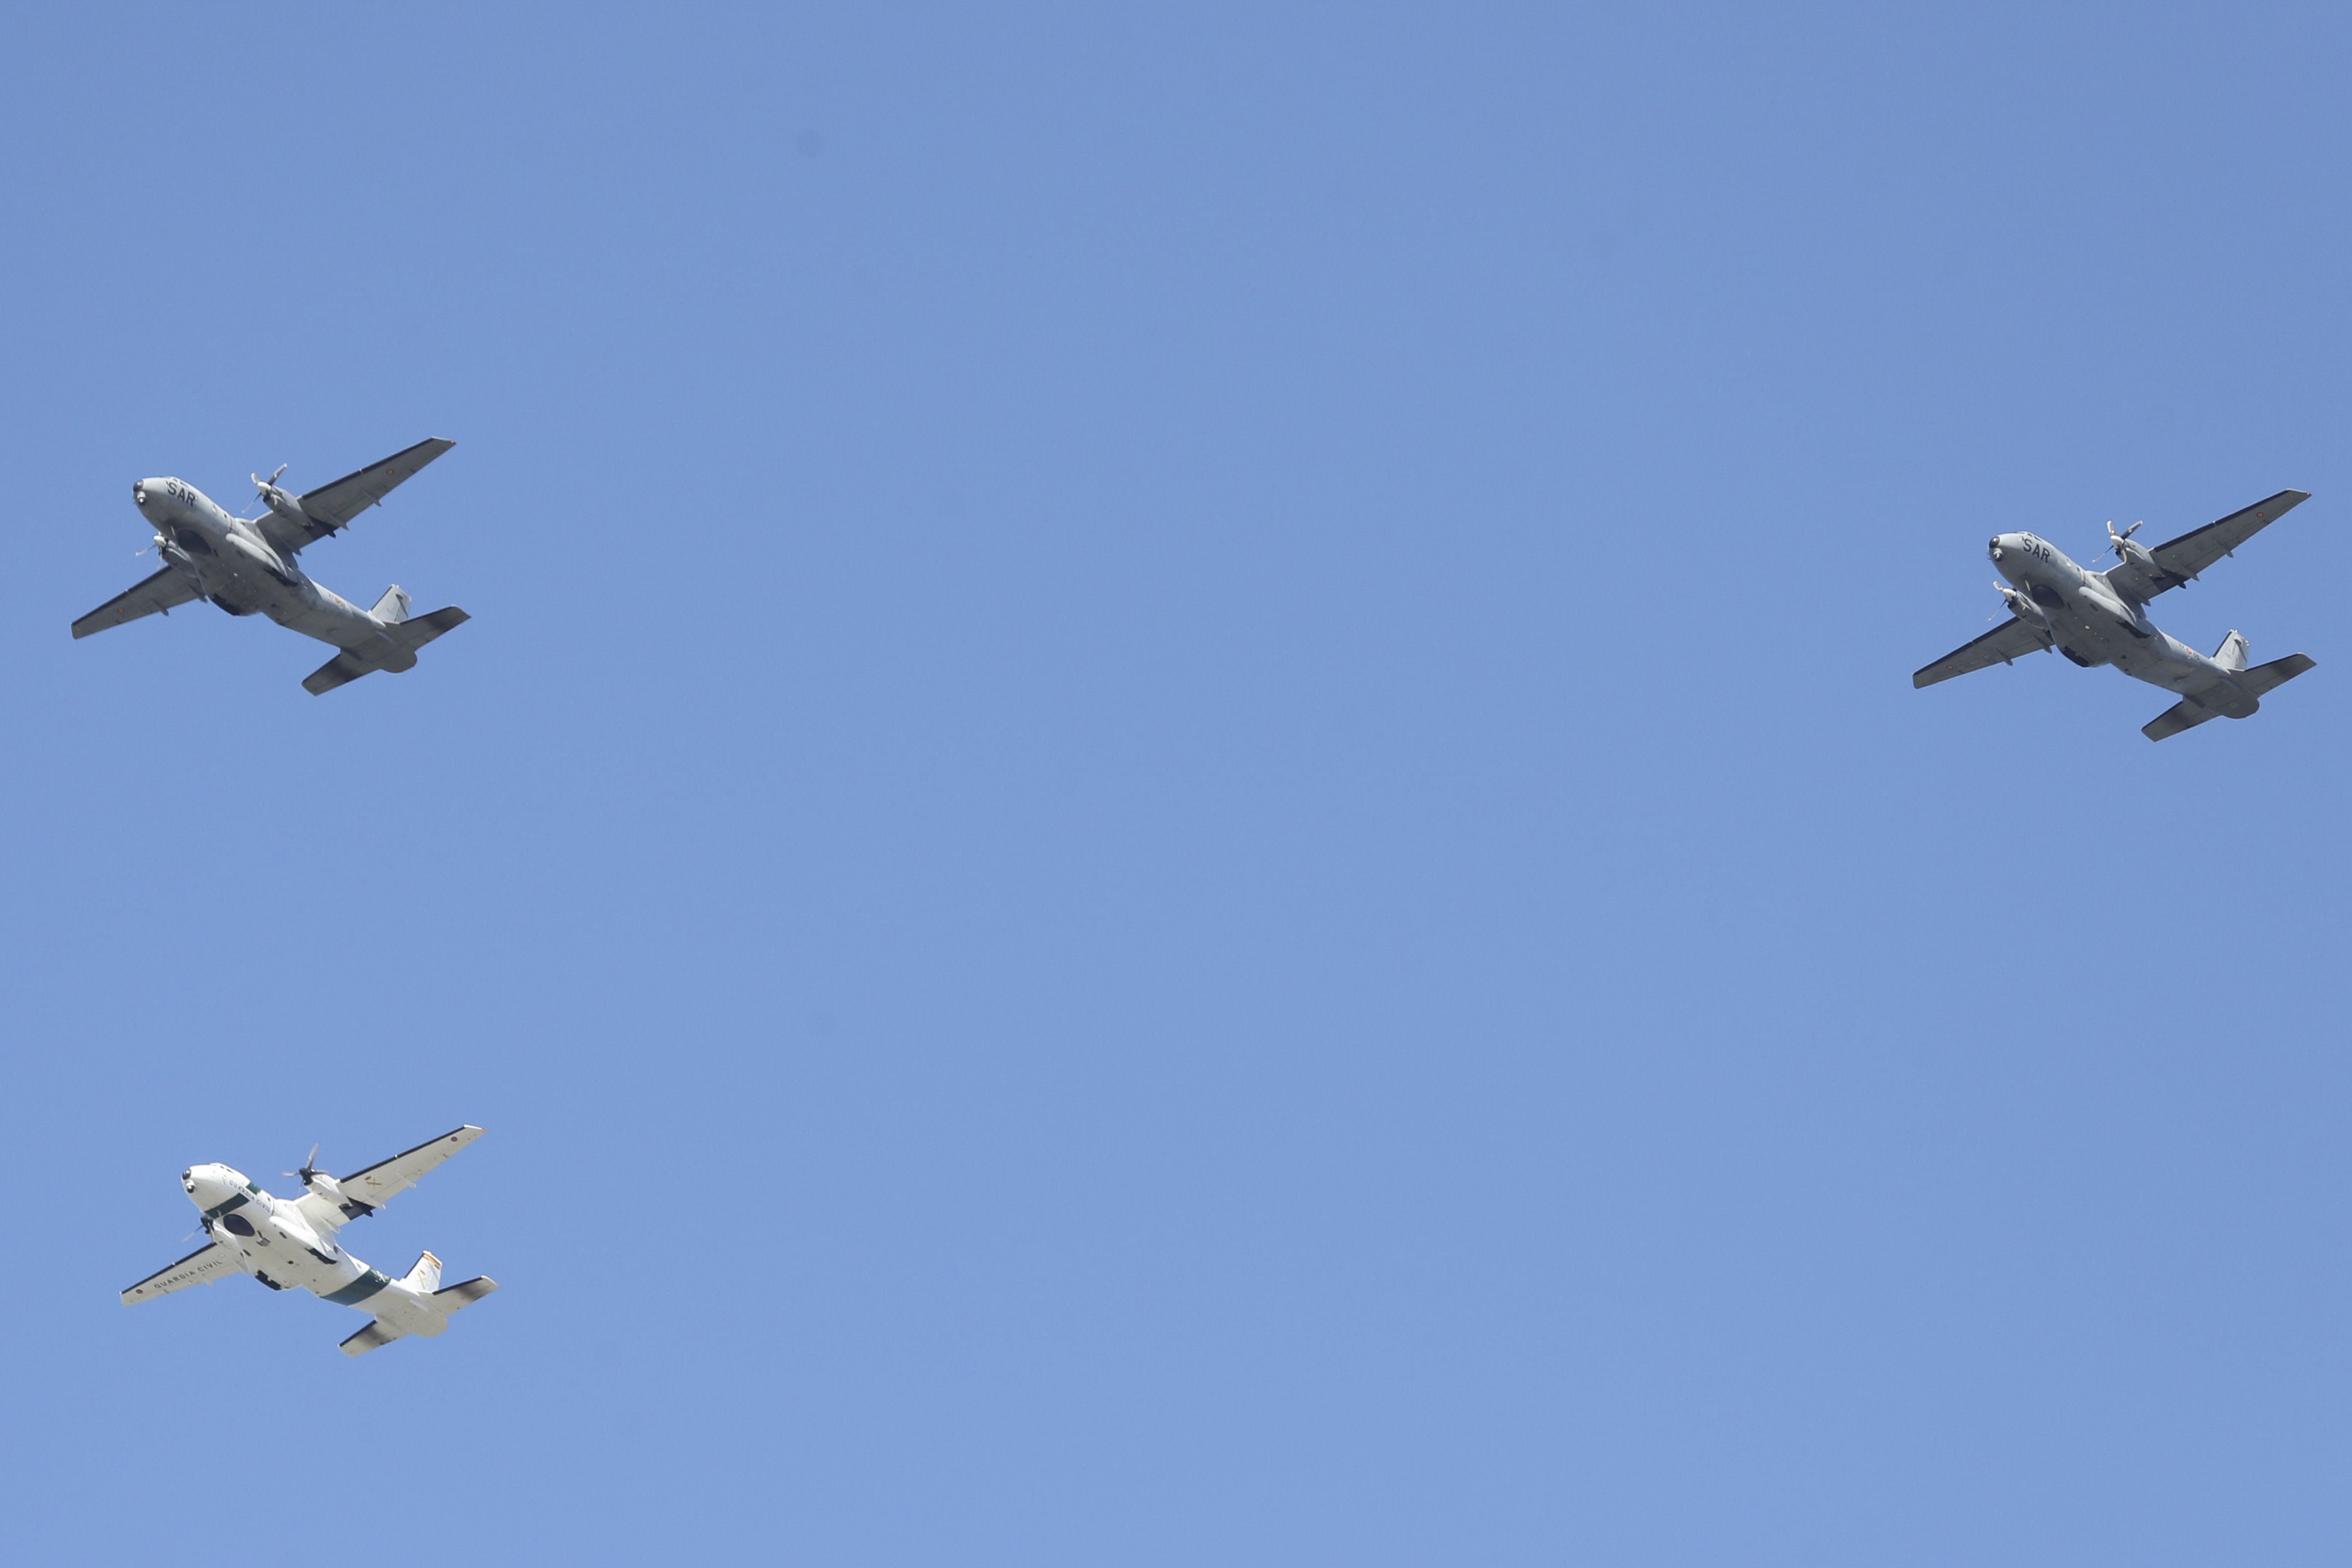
<point x="393" y="609"/>
<point x="2232" y="655"/>
<point x="424" y="1276"/>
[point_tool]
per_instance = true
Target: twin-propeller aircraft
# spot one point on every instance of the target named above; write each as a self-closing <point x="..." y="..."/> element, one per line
<point x="2099" y="617"/>
<point x="246" y="565"/>
<point x="288" y="1242"/>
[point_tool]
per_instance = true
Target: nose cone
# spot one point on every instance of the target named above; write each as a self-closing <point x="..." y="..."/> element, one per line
<point x="2006" y="546"/>
<point x="209" y="1186"/>
<point x="146" y="493"/>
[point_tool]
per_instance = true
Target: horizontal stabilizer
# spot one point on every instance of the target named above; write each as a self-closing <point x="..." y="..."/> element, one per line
<point x="395" y="651"/>
<point x="443" y="1302"/>
<point x="2264" y="679"/>
<point x="465" y="1293"/>
<point x="2185" y="714"/>
<point x="413" y="635"/>
<point x="2237" y="699"/>
<point x="339" y="670"/>
<point x="377" y="1332"/>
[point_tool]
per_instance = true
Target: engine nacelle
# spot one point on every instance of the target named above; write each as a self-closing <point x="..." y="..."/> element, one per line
<point x="2024" y="607"/>
<point x="279" y="501"/>
<point x="324" y="1186"/>
<point x="327" y="1187"/>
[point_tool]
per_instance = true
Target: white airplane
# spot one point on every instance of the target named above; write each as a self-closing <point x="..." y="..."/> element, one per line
<point x="2097" y="617"/>
<point x="292" y="1241"/>
<point x="246" y="564"/>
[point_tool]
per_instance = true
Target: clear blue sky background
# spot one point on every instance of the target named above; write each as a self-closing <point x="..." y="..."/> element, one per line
<point x="1183" y="822"/>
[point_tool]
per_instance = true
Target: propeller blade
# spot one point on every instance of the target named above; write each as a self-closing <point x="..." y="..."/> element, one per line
<point x="261" y="488"/>
<point x="2116" y="541"/>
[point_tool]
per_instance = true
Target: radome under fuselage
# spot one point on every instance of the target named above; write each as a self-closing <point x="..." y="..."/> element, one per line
<point x="2092" y="623"/>
<point x="269" y="1239"/>
<point x="235" y="566"/>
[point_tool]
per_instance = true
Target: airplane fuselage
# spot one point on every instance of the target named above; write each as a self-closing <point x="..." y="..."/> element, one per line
<point x="269" y="1239"/>
<point x="231" y="563"/>
<point x="2092" y="624"/>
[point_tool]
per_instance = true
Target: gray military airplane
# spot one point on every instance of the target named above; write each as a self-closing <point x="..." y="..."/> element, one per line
<point x="2097" y="617"/>
<point x="293" y="1241"/>
<point x="247" y="565"/>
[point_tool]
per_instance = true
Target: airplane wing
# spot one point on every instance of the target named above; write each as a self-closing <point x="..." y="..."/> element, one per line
<point x="207" y="1265"/>
<point x="2179" y="560"/>
<point x="2013" y="640"/>
<point x="332" y="507"/>
<point x="325" y="1217"/>
<point x="166" y="589"/>
<point x="379" y="1181"/>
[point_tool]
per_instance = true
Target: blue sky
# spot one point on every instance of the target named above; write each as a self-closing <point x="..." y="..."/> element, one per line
<point x="1184" y="820"/>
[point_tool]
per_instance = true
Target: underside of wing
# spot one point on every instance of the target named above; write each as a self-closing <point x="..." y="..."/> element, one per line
<point x="166" y="589"/>
<point x="379" y="1181"/>
<point x="2011" y="640"/>
<point x="325" y="1217"/>
<point x="2179" y="560"/>
<point x="204" y="1266"/>
<point x="332" y="507"/>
